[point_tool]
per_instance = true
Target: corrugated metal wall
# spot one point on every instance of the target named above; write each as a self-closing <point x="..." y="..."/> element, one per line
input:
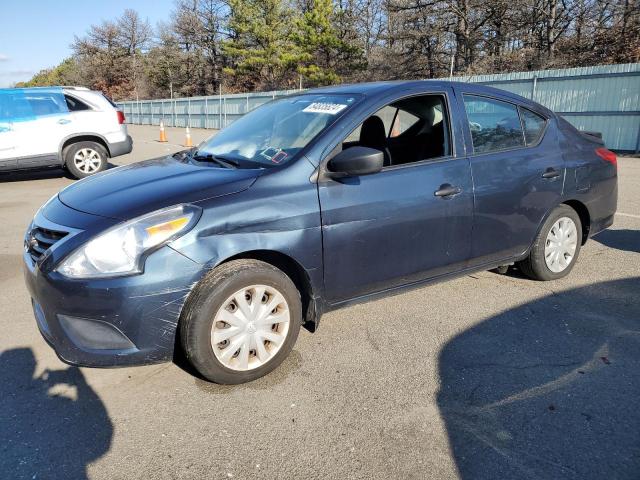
<point x="604" y="99"/>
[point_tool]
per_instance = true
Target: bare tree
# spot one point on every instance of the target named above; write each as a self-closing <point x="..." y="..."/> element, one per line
<point x="202" y="45"/>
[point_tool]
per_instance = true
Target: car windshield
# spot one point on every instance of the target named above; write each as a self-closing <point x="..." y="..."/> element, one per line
<point x="273" y="134"/>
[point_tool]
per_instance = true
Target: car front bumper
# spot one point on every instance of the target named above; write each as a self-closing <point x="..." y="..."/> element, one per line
<point x="110" y="322"/>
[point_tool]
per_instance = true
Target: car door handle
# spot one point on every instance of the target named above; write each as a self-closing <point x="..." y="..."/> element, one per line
<point x="551" y="173"/>
<point x="63" y="121"/>
<point x="447" y="190"/>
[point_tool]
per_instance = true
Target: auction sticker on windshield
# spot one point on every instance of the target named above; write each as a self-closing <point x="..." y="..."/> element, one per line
<point x="330" y="108"/>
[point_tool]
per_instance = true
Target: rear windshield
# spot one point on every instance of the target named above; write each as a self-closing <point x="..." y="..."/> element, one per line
<point x="273" y="134"/>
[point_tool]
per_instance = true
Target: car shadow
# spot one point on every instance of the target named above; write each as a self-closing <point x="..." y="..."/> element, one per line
<point x="44" y="173"/>
<point x="52" y="425"/>
<point x="548" y="389"/>
<point x="32" y="174"/>
<point x="627" y="240"/>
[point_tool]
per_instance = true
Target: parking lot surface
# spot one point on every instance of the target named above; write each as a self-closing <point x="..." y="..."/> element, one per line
<point x="485" y="376"/>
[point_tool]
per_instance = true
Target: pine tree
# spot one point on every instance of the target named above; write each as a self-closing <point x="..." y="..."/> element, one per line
<point x="323" y="57"/>
<point x="260" y="50"/>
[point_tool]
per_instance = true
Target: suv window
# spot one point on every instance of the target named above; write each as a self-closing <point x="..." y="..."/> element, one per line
<point x="533" y="125"/>
<point x="494" y="125"/>
<point x="407" y="131"/>
<point x="42" y="105"/>
<point x="20" y="105"/>
<point x="75" y="105"/>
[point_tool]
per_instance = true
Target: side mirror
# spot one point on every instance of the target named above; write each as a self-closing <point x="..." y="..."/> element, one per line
<point x="356" y="161"/>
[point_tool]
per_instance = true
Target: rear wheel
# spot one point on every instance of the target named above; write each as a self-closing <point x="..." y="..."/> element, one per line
<point x="241" y="322"/>
<point x="85" y="158"/>
<point x="556" y="247"/>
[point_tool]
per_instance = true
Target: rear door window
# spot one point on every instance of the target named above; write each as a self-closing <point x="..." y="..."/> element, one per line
<point x="494" y="125"/>
<point x="533" y="126"/>
<point x="43" y="105"/>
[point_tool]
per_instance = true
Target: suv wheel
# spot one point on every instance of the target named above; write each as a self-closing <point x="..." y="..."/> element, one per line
<point x="556" y="247"/>
<point x="85" y="158"/>
<point x="240" y="322"/>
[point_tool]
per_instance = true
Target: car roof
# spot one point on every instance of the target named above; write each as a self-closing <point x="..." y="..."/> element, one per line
<point x="375" y="89"/>
<point x="56" y="89"/>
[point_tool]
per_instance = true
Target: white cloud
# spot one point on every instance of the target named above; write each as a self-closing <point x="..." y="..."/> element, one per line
<point x="3" y="57"/>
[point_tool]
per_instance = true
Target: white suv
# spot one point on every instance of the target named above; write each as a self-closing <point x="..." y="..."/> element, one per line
<point x="73" y="127"/>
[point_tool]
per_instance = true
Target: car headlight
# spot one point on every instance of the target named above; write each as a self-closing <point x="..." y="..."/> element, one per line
<point x="121" y="250"/>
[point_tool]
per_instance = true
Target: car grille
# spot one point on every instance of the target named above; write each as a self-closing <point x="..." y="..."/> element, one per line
<point x="39" y="240"/>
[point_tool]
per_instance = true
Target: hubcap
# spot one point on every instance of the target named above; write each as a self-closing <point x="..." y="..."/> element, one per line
<point x="87" y="160"/>
<point x="561" y="244"/>
<point x="250" y="327"/>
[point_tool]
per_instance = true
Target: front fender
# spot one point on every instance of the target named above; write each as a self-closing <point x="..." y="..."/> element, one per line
<point x="279" y="213"/>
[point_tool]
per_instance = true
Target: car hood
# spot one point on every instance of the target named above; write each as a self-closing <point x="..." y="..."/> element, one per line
<point x="129" y="191"/>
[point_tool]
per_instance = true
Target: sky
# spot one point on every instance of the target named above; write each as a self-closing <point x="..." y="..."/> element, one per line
<point x="37" y="34"/>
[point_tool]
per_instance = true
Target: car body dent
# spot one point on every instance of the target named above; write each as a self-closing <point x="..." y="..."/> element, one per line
<point x="257" y="219"/>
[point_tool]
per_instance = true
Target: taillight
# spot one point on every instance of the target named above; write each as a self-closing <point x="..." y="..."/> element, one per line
<point x="121" y="118"/>
<point x="607" y="155"/>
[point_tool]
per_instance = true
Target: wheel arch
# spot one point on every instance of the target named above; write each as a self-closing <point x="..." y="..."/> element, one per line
<point x="298" y="275"/>
<point x="585" y="217"/>
<point x="583" y="213"/>
<point x="82" y="137"/>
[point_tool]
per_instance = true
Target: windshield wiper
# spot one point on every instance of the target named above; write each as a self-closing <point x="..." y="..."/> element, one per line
<point x="222" y="161"/>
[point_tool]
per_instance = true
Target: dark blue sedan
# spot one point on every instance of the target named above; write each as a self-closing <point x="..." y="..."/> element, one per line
<point x="309" y="203"/>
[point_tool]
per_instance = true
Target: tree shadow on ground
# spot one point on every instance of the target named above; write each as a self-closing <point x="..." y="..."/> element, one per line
<point x="627" y="240"/>
<point x="51" y="426"/>
<point x="549" y="389"/>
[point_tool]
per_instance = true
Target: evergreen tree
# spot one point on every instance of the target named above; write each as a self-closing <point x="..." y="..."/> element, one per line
<point x="260" y="50"/>
<point x="323" y="57"/>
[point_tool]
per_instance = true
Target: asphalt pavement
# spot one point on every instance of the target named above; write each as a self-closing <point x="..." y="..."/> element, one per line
<point x="486" y="376"/>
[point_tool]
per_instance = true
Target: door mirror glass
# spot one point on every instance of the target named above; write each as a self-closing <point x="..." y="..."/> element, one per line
<point x="356" y="161"/>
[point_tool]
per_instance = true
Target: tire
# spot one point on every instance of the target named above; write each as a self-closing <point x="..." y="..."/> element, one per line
<point x="95" y="159"/>
<point x="214" y="299"/>
<point x="536" y="265"/>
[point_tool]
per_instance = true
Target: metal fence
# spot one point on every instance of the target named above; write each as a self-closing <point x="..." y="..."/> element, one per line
<point x="215" y="111"/>
<point x="604" y="99"/>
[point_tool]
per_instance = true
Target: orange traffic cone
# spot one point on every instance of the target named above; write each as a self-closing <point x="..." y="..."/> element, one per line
<point x="163" y="135"/>
<point x="395" y="130"/>
<point x="187" y="138"/>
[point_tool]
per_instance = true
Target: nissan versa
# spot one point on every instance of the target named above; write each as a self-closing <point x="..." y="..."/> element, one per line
<point x="308" y="203"/>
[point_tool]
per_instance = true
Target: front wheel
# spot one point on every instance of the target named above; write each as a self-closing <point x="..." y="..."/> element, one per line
<point x="241" y="322"/>
<point x="556" y="247"/>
